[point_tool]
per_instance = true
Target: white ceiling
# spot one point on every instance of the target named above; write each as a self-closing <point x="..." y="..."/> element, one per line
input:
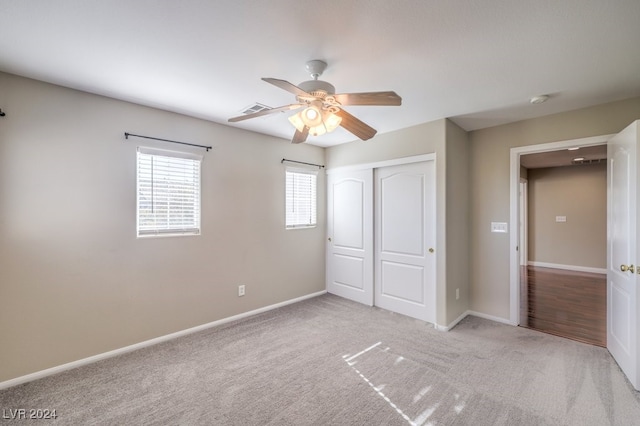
<point x="565" y="157"/>
<point x="475" y="61"/>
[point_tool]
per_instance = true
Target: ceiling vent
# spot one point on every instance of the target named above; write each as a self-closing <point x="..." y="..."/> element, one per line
<point x="252" y="109"/>
<point x="588" y="161"/>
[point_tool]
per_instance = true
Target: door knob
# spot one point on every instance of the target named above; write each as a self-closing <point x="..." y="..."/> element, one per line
<point x="630" y="268"/>
<point x="329" y="239"/>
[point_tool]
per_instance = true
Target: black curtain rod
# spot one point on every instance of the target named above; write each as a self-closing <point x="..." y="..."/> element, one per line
<point x="126" y="135"/>
<point x="320" y="166"/>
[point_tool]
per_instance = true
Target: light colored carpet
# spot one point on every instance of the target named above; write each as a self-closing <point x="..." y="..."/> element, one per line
<point x="329" y="361"/>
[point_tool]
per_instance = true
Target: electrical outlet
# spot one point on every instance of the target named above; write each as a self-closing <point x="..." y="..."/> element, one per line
<point x="457" y="293"/>
<point x="241" y="290"/>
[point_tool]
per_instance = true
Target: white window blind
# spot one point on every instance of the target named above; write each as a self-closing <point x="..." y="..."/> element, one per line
<point x="300" y="198"/>
<point x="168" y="192"/>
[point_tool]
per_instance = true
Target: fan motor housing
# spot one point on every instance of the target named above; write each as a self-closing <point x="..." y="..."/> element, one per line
<point x="311" y="86"/>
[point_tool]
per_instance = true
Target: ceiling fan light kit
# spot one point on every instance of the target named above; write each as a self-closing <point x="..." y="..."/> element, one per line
<point x="316" y="118"/>
<point x="323" y="111"/>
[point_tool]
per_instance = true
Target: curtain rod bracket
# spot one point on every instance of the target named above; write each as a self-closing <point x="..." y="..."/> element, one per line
<point x="126" y="135"/>
<point x="320" y="166"/>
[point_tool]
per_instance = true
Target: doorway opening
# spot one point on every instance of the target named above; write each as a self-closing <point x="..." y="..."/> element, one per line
<point x="563" y="278"/>
<point x="547" y="287"/>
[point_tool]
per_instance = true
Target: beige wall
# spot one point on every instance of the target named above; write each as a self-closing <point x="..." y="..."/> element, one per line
<point x="74" y="279"/>
<point x="489" y="177"/>
<point x="422" y="139"/>
<point x="442" y="138"/>
<point x="580" y="194"/>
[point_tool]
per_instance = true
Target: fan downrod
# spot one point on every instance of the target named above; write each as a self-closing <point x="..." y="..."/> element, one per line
<point x="316" y="67"/>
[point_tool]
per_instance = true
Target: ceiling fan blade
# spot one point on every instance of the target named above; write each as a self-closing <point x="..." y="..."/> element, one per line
<point x="356" y="126"/>
<point x="369" y="98"/>
<point x="283" y="84"/>
<point x="265" y="112"/>
<point x="300" y="136"/>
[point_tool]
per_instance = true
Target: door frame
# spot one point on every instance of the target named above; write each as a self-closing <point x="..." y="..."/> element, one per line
<point x="385" y="163"/>
<point x="378" y="164"/>
<point x="523" y="222"/>
<point x="514" y="216"/>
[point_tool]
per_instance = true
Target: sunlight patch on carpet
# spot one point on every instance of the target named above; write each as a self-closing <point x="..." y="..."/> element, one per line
<point x="392" y="377"/>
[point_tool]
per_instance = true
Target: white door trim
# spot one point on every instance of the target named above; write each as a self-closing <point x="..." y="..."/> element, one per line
<point x="523" y="222"/>
<point x="385" y="163"/>
<point x="514" y="256"/>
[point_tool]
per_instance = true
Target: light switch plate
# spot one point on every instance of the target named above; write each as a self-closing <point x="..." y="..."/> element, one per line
<point x="561" y="218"/>
<point x="500" y="227"/>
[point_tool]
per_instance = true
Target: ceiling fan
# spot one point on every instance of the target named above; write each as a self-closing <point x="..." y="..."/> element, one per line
<point x="323" y="111"/>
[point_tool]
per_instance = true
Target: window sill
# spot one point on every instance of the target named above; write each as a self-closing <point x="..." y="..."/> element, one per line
<point x="170" y="234"/>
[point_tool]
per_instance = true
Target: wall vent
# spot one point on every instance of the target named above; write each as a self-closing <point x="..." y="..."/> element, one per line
<point x="251" y="109"/>
<point x="588" y="161"/>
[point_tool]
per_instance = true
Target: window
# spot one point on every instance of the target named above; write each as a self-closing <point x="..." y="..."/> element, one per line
<point x="300" y="198"/>
<point x="168" y="192"/>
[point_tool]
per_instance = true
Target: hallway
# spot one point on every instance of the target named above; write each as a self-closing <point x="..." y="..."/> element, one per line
<point x="569" y="304"/>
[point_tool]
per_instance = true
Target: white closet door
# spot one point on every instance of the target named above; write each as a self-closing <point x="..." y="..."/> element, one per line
<point x="405" y="239"/>
<point x="350" y="235"/>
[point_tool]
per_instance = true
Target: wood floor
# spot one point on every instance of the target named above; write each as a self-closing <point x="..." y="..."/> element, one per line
<point x="565" y="303"/>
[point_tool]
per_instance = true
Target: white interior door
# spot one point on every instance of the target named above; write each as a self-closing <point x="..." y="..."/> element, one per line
<point x="350" y="235"/>
<point x="405" y="239"/>
<point x="622" y="260"/>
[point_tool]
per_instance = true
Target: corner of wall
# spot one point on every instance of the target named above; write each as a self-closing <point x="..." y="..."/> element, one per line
<point x="457" y="223"/>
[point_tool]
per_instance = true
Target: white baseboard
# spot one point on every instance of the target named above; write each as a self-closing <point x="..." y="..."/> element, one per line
<point x="568" y="267"/>
<point x="81" y="362"/>
<point x="475" y="314"/>
<point x="491" y="317"/>
<point x="452" y="324"/>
